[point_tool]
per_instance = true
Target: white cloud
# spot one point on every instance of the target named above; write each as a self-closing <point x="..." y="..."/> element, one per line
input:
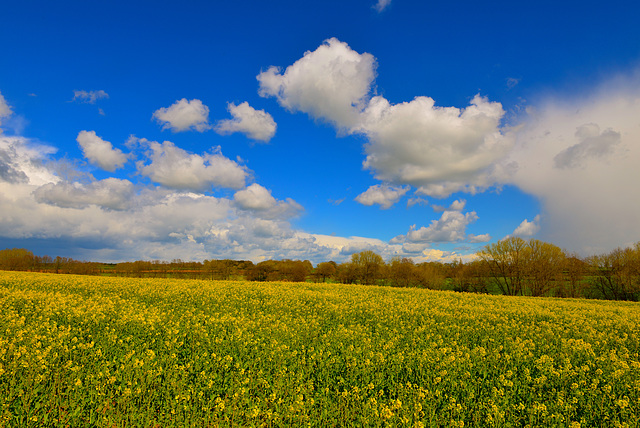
<point x="113" y="220"/>
<point x="89" y="97"/>
<point x="255" y="124"/>
<point x="457" y="205"/>
<point x="110" y="193"/>
<point x="423" y="145"/>
<point x="331" y="83"/>
<point x="474" y="239"/>
<point x="414" y="248"/>
<point x="382" y="194"/>
<point x="440" y="150"/>
<point x="254" y="197"/>
<point x="449" y="228"/>
<point x="258" y="199"/>
<point x="527" y="228"/>
<point x="184" y="115"/>
<point x="176" y="168"/>
<point x="382" y="5"/>
<point x="579" y="157"/>
<point x="5" y="109"/>
<point x="341" y="248"/>
<point x="21" y="162"/>
<point x="100" y="152"/>
<point x="108" y="220"/>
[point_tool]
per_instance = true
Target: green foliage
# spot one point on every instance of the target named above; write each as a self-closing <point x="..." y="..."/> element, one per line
<point x="104" y="352"/>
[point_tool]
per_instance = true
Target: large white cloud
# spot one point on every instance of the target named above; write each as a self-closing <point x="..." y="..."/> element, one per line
<point x="381" y="194"/>
<point x="184" y="115"/>
<point x="255" y="124"/>
<point x="423" y="145"/>
<point x="331" y="83"/>
<point x="440" y="150"/>
<point x="100" y="152"/>
<point x="579" y="157"/>
<point x="176" y="168"/>
<point x="110" y="193"/>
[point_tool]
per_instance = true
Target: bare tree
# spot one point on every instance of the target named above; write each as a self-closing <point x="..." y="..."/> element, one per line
<point x="544" y="265"/>
<point x="506" y="261"/>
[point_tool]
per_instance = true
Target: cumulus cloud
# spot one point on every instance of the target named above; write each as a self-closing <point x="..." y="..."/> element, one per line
<point x="258" y="199"/>
<point x="100" y="152"/>
<point x="424" y="145"/>
<point x="450" y="227"/>
<point x="331" y="83"/>
<point x="255" y="124"/>
<point x="254" y="197"/>
<point x="381" y="5"/>
<point x="579" y="158"/>
<point x="184" y="115"/>
<point x="382" y="194"/>
<point x="439" y="150"/>
<point x="110" y="193"/>
<point x="89" y="97"/>
<point x="176" y="168"/>
<point x="527" y="228"/>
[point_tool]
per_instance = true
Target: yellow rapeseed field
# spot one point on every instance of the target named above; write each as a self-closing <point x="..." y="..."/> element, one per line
<point x="119" y="352"/>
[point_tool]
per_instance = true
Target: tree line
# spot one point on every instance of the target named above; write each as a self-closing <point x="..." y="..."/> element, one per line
<point x="513" y="266"/>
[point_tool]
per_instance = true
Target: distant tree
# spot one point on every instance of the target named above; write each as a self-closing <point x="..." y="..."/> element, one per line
<point x="263" y="271"/>
<point x="544" y="266"/>
<point x="368" y="266"/>
<point x="617" y="274"/>
<point x="402" y="272"/>
<point x="506" y="262"/>
<point x="16" y="259"/>
<point x="347" y="273"/>
<point x="430" y="275"/>
<point x="325" y="270"/>
<point x="574" y="270"/>
<point x="470" y="277"/>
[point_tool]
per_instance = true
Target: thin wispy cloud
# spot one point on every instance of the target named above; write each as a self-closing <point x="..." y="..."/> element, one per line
<point x="89" y="97"/>
<point x="381" y="5"/>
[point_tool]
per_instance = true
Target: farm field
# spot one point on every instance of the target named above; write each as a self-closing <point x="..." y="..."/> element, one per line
<point x="119" y="352"/>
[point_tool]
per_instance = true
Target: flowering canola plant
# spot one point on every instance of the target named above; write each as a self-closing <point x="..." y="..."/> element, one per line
<point x="93" y="351"/>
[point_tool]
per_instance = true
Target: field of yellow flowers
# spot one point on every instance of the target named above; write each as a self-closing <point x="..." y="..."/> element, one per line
<point x="113" y="352"/>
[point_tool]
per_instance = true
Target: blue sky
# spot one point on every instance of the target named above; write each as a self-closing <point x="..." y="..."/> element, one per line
<point x="313" y="130"/>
